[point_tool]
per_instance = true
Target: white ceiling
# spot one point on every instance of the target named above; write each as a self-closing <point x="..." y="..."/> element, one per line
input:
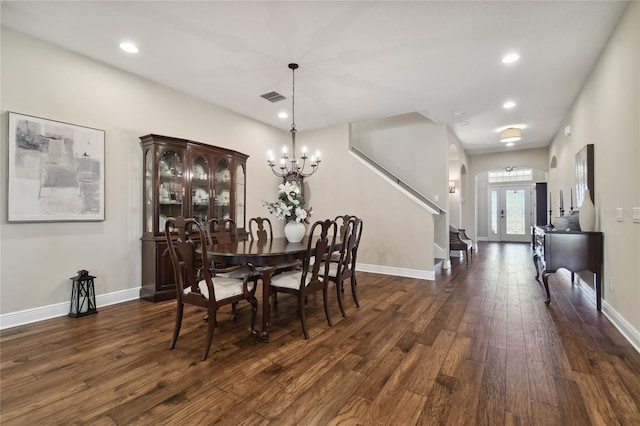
<point x="359" y="60"/>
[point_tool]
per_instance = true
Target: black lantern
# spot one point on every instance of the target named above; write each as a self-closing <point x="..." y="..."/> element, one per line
<point x="83" y="295"/>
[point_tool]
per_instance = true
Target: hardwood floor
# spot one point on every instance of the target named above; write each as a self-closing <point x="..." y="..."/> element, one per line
<point x="477" y="345"/>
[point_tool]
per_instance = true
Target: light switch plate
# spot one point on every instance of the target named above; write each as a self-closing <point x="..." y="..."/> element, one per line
<point x="636" y="215"/>
<point x="620" y="214"/>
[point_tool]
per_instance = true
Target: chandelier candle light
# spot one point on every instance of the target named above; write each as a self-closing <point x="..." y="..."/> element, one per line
<point x="291" y="168"/>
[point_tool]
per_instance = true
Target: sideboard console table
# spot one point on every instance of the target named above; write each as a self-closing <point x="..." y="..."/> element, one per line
<point x="573" y="250"/>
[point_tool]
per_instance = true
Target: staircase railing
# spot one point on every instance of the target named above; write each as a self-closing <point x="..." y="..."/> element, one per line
<point x="432" y="206"/>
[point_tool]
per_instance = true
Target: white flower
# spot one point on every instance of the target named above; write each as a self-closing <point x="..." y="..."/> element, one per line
<point x="290" y="205"/>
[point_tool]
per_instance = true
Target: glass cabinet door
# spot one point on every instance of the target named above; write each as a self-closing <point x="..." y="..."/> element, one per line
<point x="240" y="196"/>
<point x="222" y="205"/>
<point x="200" y="192"/>
<point x="148" y="191"/>
<point x="171" y="190"/>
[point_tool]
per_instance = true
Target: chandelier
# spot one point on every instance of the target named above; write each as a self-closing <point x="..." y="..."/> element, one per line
<point x="290" y="167"/>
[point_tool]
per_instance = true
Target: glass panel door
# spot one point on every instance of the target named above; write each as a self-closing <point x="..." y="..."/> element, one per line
<point x="515" y="213"/>
<point x="148" y="191"/>
<point x="240" y="196"/>
<point x="222" y="204"/>
<point x="171" y="190"/>
<point x="509" y="213"/>
<point x="200" y="192"/>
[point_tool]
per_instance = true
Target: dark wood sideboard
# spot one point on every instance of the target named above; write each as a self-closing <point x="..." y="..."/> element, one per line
<point x="573" y="250"/>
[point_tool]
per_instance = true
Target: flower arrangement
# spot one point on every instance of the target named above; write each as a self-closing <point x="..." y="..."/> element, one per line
<point x="290" y="204"/>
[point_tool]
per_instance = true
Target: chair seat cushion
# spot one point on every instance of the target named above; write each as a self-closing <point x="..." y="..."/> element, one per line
<point x="333" y="269"/>
<point x="223" y="286"/>
<point x="290" y="279"/>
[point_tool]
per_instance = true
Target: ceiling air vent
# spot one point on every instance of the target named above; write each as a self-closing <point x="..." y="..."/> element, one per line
<point x="273" y="96"/>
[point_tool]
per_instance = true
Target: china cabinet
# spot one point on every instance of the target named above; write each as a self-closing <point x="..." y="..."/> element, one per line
<point x="184" y="178"/>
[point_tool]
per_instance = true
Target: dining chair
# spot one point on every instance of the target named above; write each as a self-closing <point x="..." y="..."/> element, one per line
<point x="195" y="285"/>
<point x="457" y="243"/>
<point x="345" y="267"/>
<point x="260" y="229"/>
<point x="221" y="231"/>
<point x="309" y="279"/>
<point x="341" y="222"/>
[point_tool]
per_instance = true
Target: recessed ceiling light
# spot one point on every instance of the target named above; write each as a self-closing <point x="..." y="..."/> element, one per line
<point x="129" y="47"/>
<point x="509" y="144"/>
<point x="508" y="104"/>
<point x="510" y="58"/>
<point x="283" y="115"/>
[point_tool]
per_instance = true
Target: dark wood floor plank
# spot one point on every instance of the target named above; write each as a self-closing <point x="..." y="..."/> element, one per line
<point x="476" y="346"/>
<point x="572" y="407"/>
<point x="493" y="389"/>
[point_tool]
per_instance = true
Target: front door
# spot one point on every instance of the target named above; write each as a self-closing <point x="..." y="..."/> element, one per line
<point x="510" y="213"/>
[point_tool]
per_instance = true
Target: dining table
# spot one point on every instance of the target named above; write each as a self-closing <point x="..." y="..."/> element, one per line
<point x="265" y="256"/>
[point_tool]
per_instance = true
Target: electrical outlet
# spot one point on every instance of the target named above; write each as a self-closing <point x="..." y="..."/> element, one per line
<point x="611" y="285"/>
<point x="620" y="214"/>
<point x="636" y="215"/>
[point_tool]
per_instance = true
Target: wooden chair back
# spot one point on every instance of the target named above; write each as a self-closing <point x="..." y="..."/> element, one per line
<point x="221" y="231"/>
<point x="322" y="239"/>
<point x="260" y="229"/>
<point x="186" y="262"/>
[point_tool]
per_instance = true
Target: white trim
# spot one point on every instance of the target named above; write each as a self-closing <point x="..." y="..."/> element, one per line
<point x="400" y="272"/>
<point x="42" y="313"/>
<point x="628" y="331"/>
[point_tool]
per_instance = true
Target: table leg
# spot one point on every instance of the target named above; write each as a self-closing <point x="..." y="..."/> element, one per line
<point x="545" y="280"/>
<point x="266" y="290"/>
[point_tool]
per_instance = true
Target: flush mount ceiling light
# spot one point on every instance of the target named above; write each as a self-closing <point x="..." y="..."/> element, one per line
<point x="129" y="47"/>
<point x="510" y="58"/>
<point x="511" y="134"/>
<point x="509" y="126"/>
<point x="283" y="115"/>
<point x="508" y="104"/>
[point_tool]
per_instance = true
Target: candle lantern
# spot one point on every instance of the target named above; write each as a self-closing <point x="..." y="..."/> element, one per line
<point x="83" y="295"/>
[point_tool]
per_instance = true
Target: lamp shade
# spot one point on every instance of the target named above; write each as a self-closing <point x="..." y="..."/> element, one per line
<point x="511" y="134"/>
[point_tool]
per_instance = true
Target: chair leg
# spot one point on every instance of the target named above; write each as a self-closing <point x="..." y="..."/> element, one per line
<point x="210" y="328"/>
<point x="466" y="256"/>
<point x="325" y="299"/>
<point x="176" y="328"/>
<point x="340" y="291"/>
<point x="234" y="315"/>
<point x="254" y="308"/>
<point x="354" y="289"/>
<point x="303" y="317"/>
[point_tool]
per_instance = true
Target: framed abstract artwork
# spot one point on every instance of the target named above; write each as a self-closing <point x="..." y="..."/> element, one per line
<point x="56" y="171"/>
<point x="584" y="174"/>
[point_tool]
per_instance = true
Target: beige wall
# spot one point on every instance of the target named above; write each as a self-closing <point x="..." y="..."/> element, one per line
<point x="42" y="80"/>
<point x="416" y="150"/>
<point x="607" y="114"/>
<point x="479" y="165"/>
<point x="391" y="236"/>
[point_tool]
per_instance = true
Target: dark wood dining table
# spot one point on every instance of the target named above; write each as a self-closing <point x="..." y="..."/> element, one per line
<point x="265" y="256"/>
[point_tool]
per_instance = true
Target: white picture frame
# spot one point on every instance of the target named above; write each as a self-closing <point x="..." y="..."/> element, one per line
<point x="56" y="171"/>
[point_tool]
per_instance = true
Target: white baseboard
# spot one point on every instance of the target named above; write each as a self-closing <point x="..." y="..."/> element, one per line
<point x="627" y="330"/>
<point x="400" y="272"/>
<point x="42" y="313"/>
